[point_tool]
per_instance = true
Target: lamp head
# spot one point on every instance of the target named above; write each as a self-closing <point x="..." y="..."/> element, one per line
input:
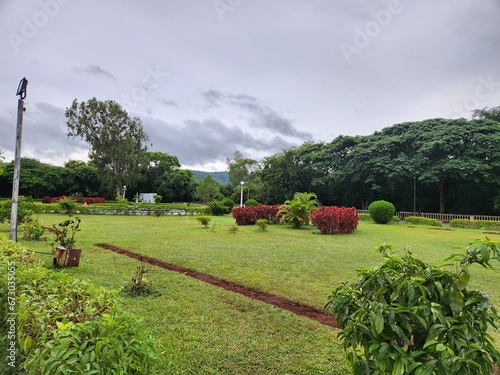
<point x="21" y="89"/>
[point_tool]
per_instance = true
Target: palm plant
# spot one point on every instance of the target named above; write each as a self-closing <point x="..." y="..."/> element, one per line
<point x="297" y="211"/>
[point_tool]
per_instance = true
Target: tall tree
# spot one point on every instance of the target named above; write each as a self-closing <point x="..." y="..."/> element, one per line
<point x="178" y="185"/>
<point x="117" y="142"/>
<point x="156" y="165"/>
<point x="80" y="178"/>
<point x="208" y="189"/>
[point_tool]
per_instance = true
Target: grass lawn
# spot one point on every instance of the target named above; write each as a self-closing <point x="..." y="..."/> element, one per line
<point x="205" y="330"/>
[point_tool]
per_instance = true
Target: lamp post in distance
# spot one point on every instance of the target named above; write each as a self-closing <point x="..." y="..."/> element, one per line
<point x="242" y="184"/>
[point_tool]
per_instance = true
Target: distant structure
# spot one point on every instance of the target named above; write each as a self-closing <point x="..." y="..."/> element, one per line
<point x="147" y="197"/>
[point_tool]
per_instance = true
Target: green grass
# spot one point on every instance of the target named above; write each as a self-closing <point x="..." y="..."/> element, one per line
<point x="205" y="330"/>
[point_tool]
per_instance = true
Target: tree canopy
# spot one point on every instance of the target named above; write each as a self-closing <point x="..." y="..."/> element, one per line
<point x="117" y="142"/>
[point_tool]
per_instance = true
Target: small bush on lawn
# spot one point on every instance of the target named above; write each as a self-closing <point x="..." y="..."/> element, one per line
<point x="417" y="220"/>
<point x="251" y="202"/>
<point x="475" y="224"/>
<point x="262" y="224"/>
<point x="228" y="202"/>
<point x="408" y="317"/>
<point x="364" y="217"/>
<point x="333" y="219"/>
<point x="204" y="220"/>
<point x="297" y="211"/>
<point x="381" y="211"/>
<point x="249" y="215"/>
<point x="217" y="208"/>
<point x="64" y="325"/>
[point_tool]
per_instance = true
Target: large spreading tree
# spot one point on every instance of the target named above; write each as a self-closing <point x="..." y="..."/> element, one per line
<point x="117" y="141"/>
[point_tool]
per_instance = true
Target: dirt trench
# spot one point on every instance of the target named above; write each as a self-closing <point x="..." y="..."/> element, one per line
<point x="310" y="312"/>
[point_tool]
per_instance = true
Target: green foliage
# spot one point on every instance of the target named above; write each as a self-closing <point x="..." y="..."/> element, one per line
<point x="25" y="208"/>
<point x="117" y="141"/>
<point x="408" y="317"/>
<point x="381" y="211"/>
<point x="229" y="203"/>
<point x="297" y="211"/>
<point x="251" y="202"/>
<point x="208" y="189"/>
<point x="233" y="228"/>
<point x="65" y="232"/>
<point x="417" y="220"/>
<point x="66" y="325"/>
<point x="120" y="200"/>
<point x="140" y="286"/>
<point x="204" y="220"/>
<point x="261" y="224"/>
<point x="32" y="230"/>
<point x="217" y="208"/>
<point x="67" y="206"/>
<point x="364" y="217"/>
<point x="158" y="198"/>
<point x="475" y="224"/>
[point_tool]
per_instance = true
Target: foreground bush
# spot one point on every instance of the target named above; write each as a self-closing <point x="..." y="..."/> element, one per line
<point x="408" y="317"/>
<point x="333" y="219"/>
<point x="297" y="211"/>
<point x="417" y="220"/>
<point x="65" y="325"/>
<point x="249" y="215"/>
<point x="381" y="211"/>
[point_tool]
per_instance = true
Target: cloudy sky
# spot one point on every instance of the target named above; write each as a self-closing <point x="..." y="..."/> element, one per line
<point x="209" y="77"/>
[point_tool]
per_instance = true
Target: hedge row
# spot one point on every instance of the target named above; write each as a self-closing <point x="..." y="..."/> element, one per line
<point x="333" y="219"/>
<point x="250" y="214"/>
<point x="418" y="220"/>
<point x="60" y="325"/>
<point x="475" y="224"/>
<point x="87" y="200"/>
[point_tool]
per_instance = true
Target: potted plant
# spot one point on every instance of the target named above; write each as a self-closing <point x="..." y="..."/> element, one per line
<point x="65" y="254"/>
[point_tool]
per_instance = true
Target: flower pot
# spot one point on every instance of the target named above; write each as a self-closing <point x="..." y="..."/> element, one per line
<point x="67" y="257"/>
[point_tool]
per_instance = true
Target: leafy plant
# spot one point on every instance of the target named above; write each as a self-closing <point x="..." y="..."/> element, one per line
<point x="475" y="224"/>
<point x="65" y="232"/>
<point x="140" y="286"/>
<point x="217" y="208"/>
<point x="204" y="220"/>
<point x="408" y="317"/>
<point x="262" y="224"/>
<point x="67" y="206"/>
<point x="157" y="198"/>
<point x="297" y="210"/>
<point x="381" y="211"/>
<point x="32" y="230"/>
<point x="333" y="219"/>
<point x="232" y="228"/>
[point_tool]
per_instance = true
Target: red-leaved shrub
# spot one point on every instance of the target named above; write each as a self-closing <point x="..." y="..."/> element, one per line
<point x="250" y="214"/>
<point x="333" y="219"/>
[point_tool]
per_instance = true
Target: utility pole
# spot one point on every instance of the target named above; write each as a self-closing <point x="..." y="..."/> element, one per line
<point x="21" y="92"/>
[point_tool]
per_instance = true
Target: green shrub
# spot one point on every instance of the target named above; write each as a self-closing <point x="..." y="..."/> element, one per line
<point x="475" y="224"/>
<point x="32" y="230"/>
<point x="158" y="198"/>
<point x="228" y="202"/>
<point x="396" y="219"/>
<point x="204" y="220"/>
<point x="381" y="211"/>
<point x="140" y="286"/>
<point x="66" y="325"/>
<point x="217" y="208"/>
<point x="25" y="208"/>
<point x="417" y="220"/>
<point x="297" y="211"/>
<point x="408" y="317"/>
<point x="262" y="224"/>
<point x="364" y="217"/>
<point x="233" y="228"/>
<point x="67" y="206"/>
<point x="251" y="202"/>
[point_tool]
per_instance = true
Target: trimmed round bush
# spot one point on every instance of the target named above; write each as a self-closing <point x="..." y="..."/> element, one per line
<point x="251" y="202"/>
<point x="217" y="208"/>
<point x="381" y="211"/>
<point x="228" y="202"/>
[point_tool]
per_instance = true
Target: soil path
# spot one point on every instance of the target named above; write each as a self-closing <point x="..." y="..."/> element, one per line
<point x="294" y="307"/>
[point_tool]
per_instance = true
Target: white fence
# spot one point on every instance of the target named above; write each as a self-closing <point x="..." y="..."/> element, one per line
<point x="442" y="217"/>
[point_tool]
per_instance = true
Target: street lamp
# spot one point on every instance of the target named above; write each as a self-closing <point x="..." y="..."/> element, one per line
<point x="242" y="184"/>
<point x="124" y="190"/>
<point x="21" y="92"/>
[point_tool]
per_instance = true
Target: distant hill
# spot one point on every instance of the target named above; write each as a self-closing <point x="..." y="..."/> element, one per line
<point x="222" y="177"/>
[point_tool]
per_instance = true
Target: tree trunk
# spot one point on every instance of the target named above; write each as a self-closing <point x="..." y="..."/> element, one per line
<point x="442" y="195"/>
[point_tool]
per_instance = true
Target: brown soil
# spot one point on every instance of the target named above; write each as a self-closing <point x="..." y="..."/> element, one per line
<point x="272" y="299"/>
<point x="442" y="229"/>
